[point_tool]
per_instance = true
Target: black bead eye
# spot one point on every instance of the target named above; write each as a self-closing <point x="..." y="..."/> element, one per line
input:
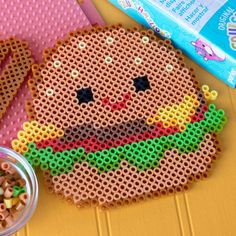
<point x="84" y="95"/>
<point x="141" y="83"/>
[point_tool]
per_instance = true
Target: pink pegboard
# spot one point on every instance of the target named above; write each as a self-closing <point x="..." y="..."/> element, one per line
<point x="41" y="23"/>
<point x="91" y="12"/>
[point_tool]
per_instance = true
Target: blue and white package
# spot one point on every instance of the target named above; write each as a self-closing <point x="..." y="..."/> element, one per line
<point x="205" y="30"/>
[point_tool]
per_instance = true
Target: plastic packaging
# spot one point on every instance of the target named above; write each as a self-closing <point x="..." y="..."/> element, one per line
<point x="204" y="30"/>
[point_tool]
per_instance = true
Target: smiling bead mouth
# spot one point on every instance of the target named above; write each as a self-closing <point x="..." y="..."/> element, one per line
<point x="119" y="105"/>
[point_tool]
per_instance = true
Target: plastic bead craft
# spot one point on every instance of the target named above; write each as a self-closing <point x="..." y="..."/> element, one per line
<point x="209" y="95"/>
<point x="116" y="117"/>
<point x="15" y="65"/>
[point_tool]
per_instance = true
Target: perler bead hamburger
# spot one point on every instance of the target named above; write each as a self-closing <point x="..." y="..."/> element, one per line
<point x="116" y="116"/>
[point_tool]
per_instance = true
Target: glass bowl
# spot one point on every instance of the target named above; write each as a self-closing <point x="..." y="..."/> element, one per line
<point x="27" y="173"/>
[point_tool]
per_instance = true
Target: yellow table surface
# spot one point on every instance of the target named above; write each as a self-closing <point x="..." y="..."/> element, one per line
<point x="207" y="209"/>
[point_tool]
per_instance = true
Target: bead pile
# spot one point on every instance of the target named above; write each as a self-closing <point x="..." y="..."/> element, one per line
<point x="13" y="195"/>
<point x="116" y="117"/>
